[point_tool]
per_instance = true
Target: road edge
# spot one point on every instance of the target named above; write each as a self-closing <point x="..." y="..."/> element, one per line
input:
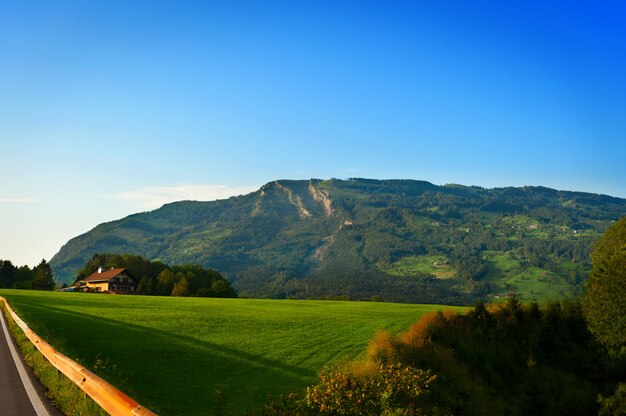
<point x="36" y="401"/>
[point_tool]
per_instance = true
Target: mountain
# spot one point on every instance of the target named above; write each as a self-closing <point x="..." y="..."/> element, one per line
<point x="400" y="240"/>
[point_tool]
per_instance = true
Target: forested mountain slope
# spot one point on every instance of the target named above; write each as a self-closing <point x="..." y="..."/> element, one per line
<point x="402" y="240"/>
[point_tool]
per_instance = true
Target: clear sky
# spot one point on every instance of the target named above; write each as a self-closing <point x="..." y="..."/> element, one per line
<point x="113" y="107"/>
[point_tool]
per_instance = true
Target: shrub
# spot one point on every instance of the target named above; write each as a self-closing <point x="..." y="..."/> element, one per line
<point x="392" y="390"/>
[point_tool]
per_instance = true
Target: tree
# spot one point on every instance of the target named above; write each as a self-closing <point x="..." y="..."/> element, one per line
<point x="614" y="405"/>
<point x="43" y="276"/>
<point x="146" y="285"/>
<point x="181" y="288"/>
<point x="605" y="292"/>
<point x="7" y="273"/>
<point x="221" y="289"/>
<point x="24" y="278"/>
<point x="165" y="282"/>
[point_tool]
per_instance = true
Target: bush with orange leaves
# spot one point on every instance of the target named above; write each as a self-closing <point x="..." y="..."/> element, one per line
<point x="392" y="389"/>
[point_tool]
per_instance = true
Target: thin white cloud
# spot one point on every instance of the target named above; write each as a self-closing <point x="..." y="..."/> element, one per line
<point x="18" y="200"/>
<point x="154" y="197"/>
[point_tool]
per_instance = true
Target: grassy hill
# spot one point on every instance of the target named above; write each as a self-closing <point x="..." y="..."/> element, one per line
<point x="172" y="354"/>
<point x="403" y="240"/>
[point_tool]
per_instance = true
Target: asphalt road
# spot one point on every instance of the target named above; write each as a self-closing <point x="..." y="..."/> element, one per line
<point x="19" y="394"/>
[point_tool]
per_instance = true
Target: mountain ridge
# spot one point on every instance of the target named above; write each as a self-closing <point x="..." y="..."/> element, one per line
<point x="402" y="240"/>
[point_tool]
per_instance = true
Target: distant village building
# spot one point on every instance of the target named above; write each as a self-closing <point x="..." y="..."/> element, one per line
<point x="112" y="281"/>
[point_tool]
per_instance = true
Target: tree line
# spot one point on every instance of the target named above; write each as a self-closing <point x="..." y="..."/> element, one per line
<point x="40" y="277"/>
<point x="158" y="278"/>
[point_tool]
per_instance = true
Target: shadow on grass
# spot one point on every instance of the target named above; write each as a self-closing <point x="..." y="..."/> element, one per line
<point x="170" y="373"/>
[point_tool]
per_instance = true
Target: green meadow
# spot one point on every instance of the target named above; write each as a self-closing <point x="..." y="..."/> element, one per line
<point x="505" y="273"/>
<point x="411" y="265"/>
<point x="187" y="355"/>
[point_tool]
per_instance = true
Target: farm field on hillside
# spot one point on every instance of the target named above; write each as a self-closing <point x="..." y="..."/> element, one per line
<point x="505" y="274"/>
<point x="173" y="354"/>
<point x="435" y="265"/>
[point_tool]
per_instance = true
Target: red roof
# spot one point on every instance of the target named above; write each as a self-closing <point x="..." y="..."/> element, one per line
<point x="105" y="276"/>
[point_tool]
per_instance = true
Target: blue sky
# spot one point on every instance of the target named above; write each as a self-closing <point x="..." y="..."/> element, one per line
<point x="114" y="107"/>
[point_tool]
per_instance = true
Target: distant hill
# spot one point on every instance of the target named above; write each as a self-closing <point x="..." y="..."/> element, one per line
<point x="400" y="240"/>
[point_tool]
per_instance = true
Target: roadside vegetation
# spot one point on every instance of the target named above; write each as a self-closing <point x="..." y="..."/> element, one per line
<point x="62" y="392"/>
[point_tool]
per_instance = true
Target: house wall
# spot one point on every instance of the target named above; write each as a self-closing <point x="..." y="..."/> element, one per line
<point x="102" y="286"/>
<point x="121" y="283"/>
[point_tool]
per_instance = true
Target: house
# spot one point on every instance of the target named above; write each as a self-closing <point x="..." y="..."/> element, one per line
<point x="112" y="281"/>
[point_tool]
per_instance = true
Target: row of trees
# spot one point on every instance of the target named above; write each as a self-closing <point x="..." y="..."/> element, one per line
<point x="188" y="280"/>
<point x="158" y="278"/>
<point x="155" y="277"/>
<point x="41" y="277"/>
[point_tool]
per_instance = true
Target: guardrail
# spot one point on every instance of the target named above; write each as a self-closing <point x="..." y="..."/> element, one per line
<point x="108" y="397"/>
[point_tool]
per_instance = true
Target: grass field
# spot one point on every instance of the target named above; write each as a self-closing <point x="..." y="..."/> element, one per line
<point x="411" y="265"/>
<point x="529" y="282"/>
<point x="173" y="354"/>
